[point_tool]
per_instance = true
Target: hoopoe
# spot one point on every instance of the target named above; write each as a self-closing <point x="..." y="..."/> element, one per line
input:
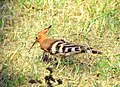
<point x="59" y="46"/>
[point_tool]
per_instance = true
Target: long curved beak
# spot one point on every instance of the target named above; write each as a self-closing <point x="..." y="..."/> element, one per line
<point x="49" y="26"/>
<point x="31" y="46"/>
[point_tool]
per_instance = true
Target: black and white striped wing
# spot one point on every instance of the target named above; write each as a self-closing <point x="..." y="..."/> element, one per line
<point x="60" y="47"/>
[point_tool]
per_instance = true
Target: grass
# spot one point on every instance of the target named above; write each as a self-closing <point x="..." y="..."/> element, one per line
<point x="93" y="23"/>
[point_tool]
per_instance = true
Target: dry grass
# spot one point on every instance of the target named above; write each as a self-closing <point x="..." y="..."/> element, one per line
<point x="94" y="23"/>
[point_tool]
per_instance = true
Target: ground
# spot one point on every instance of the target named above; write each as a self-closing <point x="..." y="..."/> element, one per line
<point x="93" y="23"/>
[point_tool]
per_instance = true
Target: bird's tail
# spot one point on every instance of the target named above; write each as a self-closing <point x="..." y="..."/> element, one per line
<point x="90" y="50"/>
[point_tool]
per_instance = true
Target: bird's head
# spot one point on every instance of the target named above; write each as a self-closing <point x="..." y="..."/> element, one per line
<point x="41" y="36"/>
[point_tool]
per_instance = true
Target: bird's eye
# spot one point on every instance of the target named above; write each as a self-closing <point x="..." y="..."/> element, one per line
<point x="36" y="37"/>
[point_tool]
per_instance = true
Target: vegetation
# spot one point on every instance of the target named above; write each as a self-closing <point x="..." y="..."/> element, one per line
<point x="94" y="23"/>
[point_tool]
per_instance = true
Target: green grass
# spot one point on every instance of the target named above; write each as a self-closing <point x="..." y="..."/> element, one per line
<point x="93" y="23"/>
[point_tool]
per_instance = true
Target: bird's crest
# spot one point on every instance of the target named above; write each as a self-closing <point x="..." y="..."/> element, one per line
<point x="41" y="36"/>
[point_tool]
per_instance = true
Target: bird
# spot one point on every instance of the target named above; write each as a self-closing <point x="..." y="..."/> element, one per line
<point x="60" y="47"/>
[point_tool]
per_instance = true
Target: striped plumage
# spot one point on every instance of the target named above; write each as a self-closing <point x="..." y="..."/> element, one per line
<point x="60" y="47"/>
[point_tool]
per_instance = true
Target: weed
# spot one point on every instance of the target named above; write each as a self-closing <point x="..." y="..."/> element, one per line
<point x="94" y="23"/>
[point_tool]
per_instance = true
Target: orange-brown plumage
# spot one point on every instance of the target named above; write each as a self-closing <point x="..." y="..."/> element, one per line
<point x="46" y="44"/>
<point x="43" y="40"/>
<point x="60" y="47"/>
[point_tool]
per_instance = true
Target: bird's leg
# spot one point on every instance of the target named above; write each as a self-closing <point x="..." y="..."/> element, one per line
<point x="45" y="57"/>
